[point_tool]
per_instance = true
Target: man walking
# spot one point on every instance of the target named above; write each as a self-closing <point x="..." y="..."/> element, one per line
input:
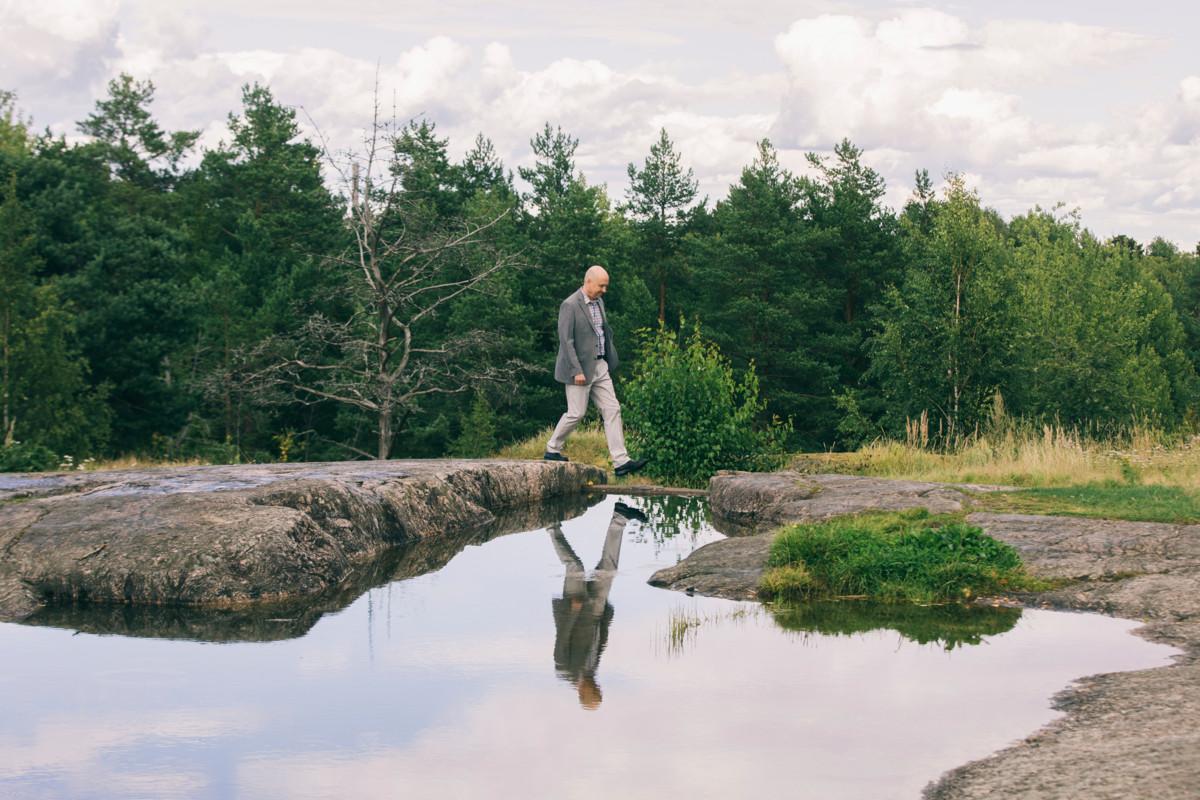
<point x="586" y="357"/>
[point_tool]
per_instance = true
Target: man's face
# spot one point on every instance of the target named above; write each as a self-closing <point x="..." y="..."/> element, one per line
<point x="595" y="287"/>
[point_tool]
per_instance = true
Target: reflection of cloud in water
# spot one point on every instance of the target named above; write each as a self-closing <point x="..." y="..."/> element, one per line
<point x="861" y="718"/>
<point x="320" y="662"/>
<point x="520" y="744"/>
<point x="67" y="744"/>
<point x="152" y="784"/>
<point x="484" y="652"/>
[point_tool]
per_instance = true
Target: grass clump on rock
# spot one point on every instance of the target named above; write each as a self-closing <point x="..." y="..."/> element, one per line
<point x="908" y="556"/>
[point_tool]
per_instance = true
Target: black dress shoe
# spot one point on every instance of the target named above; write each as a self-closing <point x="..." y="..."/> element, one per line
<point x="548" y="456"/>
<point x="629" y="512"/>
<point x="631" y="466"/>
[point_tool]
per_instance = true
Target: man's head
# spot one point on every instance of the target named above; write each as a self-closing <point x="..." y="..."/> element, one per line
<point x="589" y="693"/>
<point x="595" y="282"/>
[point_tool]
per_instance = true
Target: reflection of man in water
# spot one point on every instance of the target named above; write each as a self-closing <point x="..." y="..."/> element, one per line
<point x="582" y="614"/>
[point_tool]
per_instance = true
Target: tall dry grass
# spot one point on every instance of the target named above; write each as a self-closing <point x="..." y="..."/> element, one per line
<point x="130" y="462"/>
<point x="1014" y="454"/>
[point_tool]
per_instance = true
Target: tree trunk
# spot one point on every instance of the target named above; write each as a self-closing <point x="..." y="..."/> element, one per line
<point x="9" y="423"/>
<point x="387" y="410"/>
<point x="385" y="434"/>
<point x="955" y="384"/>
<point x="662" y="300"/>
<point x="226" y="388"/>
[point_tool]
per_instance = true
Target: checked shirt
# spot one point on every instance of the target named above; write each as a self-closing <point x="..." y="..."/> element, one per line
<point x="597" y="325"/>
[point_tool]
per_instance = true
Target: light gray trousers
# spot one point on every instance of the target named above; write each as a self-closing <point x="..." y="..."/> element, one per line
<point x="600" y="391"/>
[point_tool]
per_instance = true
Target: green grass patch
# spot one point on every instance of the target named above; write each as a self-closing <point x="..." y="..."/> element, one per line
<point x="1108" y="500"/>
<point x="909" y="556"/>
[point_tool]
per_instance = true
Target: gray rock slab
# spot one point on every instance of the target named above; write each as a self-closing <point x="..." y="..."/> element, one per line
<point x="729" y="568"/>
<point x="232" y="535"/>
<point x="261" y="622"/>
<point x="745" y="503"/>
<point x="1123" y="735"/>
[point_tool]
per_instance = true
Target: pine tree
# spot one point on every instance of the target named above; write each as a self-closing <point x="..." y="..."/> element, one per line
<point x="761" y="298"/>
<point x="132" y="139"/>
<point x="477" y="431"/>
<point x="659" y="194"/>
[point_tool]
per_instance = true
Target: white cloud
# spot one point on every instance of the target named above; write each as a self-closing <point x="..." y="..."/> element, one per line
<point x="463" y="88"/>
<point x="54" y="46"/>
<point x="1015" y="50"/>
<point x="1185" y="127"/>
<point x="1072" y="159"/>
<point x="924" y="79"/>
<point x="935" y="92"/>
<point x="67" y="20"/>
<point x="915" y="87"/>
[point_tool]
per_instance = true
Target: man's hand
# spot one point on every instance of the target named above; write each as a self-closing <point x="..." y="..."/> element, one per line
<point x="580" y="379"/>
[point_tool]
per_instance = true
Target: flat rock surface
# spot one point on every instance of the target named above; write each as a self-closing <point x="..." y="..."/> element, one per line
<point x="746" y="503"/>
<point x="729" y="568"/>
<point x="262" y="622"/>
<point x="233" y="535"/>
<point x="750" y="506"/>
<point x="1127" y="734"/>
<point x="1123" y="735"/>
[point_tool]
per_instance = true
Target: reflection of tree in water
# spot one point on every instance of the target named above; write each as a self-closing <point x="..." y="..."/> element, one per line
<point x="948" y="626"/>
<point x="669" y="516"/>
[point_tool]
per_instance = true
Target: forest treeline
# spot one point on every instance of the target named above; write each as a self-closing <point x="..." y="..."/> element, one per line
<point x="264" y="299"/>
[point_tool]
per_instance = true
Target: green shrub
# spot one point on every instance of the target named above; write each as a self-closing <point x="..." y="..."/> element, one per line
<point x="27" y="457"/>
<point x="908" y="556"/>
<point x="689" y="413"/>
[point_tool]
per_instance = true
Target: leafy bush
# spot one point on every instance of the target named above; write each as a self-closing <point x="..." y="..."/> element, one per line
<point x="690" y="415"/>
<point x="27" y="457"/>
<point x="907" y="556"/>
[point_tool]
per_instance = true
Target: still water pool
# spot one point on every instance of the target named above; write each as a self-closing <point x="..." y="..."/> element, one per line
<point x="518" y="670"/>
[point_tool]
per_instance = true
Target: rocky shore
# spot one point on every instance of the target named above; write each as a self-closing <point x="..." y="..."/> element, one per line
<point x="236" y="536"/>
<point x="1124" y="735"/>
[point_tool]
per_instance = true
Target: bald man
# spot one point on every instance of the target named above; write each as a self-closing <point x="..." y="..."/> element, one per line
<point x="586" y="357"/>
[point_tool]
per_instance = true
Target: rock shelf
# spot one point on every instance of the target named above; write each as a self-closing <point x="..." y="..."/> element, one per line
<point x="229" y="536"/>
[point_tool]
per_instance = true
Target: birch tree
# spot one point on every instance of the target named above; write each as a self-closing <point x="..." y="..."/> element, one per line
<point x="401" y="271"/>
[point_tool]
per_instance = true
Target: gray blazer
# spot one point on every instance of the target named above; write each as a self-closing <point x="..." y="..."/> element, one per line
<point x="577" y="340"/>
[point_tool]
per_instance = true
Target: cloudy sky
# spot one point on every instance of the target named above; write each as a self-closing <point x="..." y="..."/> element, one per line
<point x="1092" y="103"/>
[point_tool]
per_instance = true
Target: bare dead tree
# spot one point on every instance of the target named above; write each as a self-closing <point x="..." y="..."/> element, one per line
<point x="399" y="274"/>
